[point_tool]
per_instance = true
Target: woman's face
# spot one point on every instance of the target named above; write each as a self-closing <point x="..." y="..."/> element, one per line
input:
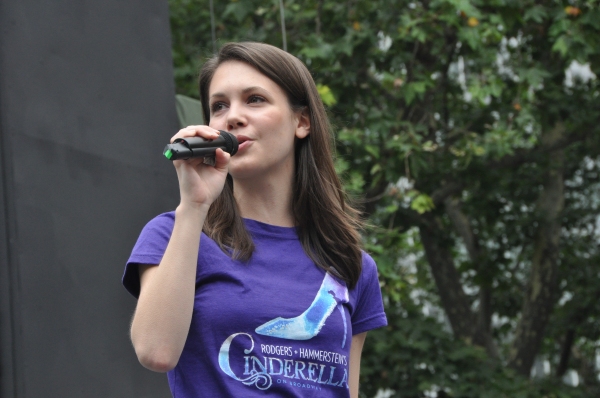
<point x="256" y="110"/>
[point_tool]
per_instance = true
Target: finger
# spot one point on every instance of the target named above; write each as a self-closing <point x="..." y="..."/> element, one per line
<point x="206" y="132"/>
<point x="201" y="131"/>
<point x="222" y="159"/>
<point x="192" y="162"/>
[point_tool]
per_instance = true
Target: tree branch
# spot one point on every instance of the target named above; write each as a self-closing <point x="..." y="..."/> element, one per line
<point x="453" y="298"/>
<point x="579" y="312"/>
<point x="447" y="279"/>
<point x="525" y="155"/>
<point x="540" y="297"/>
<point x="565" y="352"/>
<point x="449" y="188"/>
<point x="318" y="17"/>
<point x="453" y="186"/>
<point x="444" y="80"/>
<point x="462" y="225"/>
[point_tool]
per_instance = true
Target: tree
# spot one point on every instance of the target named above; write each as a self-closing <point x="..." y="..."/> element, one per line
<point x="476" y="158"/>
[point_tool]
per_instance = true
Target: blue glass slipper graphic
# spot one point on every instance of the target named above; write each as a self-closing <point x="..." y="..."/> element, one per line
<point x="308" y="324"/>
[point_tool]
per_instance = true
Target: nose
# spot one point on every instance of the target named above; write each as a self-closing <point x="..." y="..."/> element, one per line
<point x="236" y="117"/>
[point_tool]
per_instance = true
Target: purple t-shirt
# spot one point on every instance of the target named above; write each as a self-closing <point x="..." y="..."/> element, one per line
<point x="276" y="325"/>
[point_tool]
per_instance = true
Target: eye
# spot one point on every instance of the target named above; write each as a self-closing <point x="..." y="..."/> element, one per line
<point x="255" y="99"/>
<point x="217" y="106"/>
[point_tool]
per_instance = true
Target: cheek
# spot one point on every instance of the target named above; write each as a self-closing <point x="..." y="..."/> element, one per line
<point x="216" y="123"/>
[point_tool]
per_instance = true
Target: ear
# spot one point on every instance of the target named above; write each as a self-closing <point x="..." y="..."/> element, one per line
<point x="303" y="123"/>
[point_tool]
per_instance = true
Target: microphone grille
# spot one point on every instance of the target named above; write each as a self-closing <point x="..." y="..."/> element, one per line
<point x="231" y="143"/>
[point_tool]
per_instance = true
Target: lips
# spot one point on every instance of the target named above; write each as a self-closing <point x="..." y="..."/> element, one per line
<point x="241" y="139"/>
<point x="243" y="142"/>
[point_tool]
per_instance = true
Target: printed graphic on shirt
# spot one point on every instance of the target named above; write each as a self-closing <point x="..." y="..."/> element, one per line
<point x="293" y="365"/>
<point x="297" y="367"/>
<point x="308" y="324"/>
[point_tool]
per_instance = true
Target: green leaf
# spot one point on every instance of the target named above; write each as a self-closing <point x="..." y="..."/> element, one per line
<point x="561" y="45"/>
<point x="239" y="9"/>
<point x="373" y="150"/>
<point x="422" y="203"/>
<point x="375" y="169"/>
<point x="326" y="95"/>
<point x="536" y="13"/>
<point x="414" y="90"/>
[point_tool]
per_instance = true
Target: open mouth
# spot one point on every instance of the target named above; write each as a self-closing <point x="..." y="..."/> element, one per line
<point x="241" y="140"/>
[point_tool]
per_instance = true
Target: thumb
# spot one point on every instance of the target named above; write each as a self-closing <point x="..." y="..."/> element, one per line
<point x="222" y="160"/>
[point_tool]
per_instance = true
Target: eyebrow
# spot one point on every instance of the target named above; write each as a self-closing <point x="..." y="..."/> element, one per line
<point x="244" y="91"/>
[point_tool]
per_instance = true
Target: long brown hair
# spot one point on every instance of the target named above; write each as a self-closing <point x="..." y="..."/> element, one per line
<point x="327" y="225"/>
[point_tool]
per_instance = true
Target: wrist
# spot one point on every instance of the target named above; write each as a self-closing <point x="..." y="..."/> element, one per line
<point x="192" y="210"/>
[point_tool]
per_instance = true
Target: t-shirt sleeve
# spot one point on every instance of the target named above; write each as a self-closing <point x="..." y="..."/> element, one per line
<point x="149" y="249"/>
<point x="368" y="311"/>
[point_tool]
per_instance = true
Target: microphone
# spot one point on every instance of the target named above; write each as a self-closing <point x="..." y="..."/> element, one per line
<point x="197" y="147"/>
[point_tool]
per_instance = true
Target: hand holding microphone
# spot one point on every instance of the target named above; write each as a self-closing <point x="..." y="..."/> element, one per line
<point x="199" y="185"/>
<point x="198" y="147"/>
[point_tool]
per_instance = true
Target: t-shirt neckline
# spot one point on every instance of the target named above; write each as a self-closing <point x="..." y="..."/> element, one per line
<point x="263" y="229"/>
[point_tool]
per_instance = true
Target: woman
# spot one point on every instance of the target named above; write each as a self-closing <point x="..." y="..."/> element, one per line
<point x="261" y="286"/>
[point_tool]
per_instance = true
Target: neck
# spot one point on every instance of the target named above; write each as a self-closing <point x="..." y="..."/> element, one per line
<point x="266" y="201"/>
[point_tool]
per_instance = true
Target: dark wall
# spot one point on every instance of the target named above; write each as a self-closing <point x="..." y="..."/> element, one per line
<point x="86" y="107"/>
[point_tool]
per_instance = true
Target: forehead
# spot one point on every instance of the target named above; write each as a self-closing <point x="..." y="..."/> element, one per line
<point x="232" y="76"/>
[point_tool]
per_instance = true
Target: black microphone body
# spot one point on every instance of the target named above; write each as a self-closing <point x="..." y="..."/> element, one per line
<point x="198" y="147"/>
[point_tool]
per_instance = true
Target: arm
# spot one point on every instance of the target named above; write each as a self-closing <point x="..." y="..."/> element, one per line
<point x="165" y="305"/>
<point x="355" y="353"/>
<point x="164" y="310"/>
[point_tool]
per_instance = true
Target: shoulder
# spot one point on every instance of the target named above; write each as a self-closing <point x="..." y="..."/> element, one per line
<point x="161" y="222"/>
<point x="153" y="239"/>
<point x="368" y="270"/>
<point x="148" y="249"/>
<point x="369" y="277"/>
<point x="366" y="301"/>
<point x="368" y="262"/>
<point x="159" y="228"/>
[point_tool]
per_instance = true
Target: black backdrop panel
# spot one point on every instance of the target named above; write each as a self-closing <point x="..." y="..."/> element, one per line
<point x="86" y="107"/>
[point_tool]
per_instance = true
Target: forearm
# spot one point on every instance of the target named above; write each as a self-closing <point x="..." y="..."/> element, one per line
<point x="355" y="355"/>
<point x="164" y="311"/>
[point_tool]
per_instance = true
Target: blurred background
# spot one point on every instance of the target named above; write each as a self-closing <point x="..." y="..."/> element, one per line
<point x="469" y="132"/>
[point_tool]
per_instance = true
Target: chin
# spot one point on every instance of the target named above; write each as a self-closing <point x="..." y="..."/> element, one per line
<point x="245" y="170"/>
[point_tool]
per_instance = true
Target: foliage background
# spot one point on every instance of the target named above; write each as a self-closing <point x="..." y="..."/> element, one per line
<point x="469" y="131"/>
